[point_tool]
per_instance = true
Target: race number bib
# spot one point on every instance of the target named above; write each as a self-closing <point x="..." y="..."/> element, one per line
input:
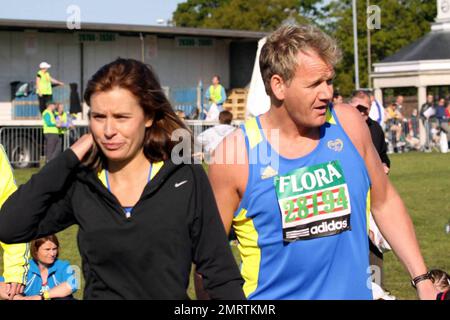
<point x="314" y="202"/>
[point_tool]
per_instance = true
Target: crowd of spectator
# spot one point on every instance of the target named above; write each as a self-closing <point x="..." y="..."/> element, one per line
<point x="423" y="130"/>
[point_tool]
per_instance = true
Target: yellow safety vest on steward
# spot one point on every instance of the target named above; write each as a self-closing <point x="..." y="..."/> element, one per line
<point x="48" y="128"/>
<point x="45" y="83"/>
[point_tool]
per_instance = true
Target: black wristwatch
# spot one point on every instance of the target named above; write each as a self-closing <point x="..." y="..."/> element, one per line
<point x="416" y="280"/>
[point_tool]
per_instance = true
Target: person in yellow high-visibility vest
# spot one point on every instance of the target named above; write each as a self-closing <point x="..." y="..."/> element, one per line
<point x="15" y="256"/>
<point x="44" y="85"/>
<point x="51" y="132"/>
<point x="215" y="95"/>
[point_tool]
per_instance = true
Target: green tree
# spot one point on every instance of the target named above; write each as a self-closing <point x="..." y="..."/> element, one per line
<point x="255" y="15"/>
<point x="193" y="13"/>
<point x="402" y="22"/>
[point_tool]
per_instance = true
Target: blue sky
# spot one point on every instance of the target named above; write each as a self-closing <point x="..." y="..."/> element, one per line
<point x="145" y="12"/>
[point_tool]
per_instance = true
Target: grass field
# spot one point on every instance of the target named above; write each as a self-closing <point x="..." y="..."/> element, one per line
<point x="423" y="181"/>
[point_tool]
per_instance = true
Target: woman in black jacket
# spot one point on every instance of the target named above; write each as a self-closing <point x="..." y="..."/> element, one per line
<point x="143" y="219"/>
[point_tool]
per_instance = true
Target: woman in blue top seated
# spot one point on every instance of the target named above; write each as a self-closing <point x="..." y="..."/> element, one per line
<point x="48" y="277"/>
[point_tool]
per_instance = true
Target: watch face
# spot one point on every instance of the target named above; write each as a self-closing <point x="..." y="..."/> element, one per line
<point x="445" y="5"/>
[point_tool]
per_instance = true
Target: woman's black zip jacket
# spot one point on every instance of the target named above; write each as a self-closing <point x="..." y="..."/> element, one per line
<point x="149" y="256"/>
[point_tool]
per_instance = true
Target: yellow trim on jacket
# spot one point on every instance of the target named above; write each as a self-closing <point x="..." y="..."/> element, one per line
<point x="156" y="166"/>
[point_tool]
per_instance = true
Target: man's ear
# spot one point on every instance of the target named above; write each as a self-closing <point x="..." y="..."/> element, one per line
<point x="278" y="87"/>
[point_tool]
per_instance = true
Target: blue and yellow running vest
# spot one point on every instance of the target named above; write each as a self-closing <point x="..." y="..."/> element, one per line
<point x="302" y="223"/>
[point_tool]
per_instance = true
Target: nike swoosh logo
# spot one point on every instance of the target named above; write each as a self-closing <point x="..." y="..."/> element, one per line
<point x="180" y="183"/>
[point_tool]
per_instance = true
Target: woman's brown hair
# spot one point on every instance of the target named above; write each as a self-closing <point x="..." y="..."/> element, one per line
<point x="36" y="244"/>
<point x="142" y="82"/>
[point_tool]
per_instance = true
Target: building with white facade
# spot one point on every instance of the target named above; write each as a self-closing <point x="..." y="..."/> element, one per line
<point x="423" y="64"/>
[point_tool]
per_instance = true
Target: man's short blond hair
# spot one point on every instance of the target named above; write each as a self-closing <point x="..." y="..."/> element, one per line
<point x="279" y="53"/>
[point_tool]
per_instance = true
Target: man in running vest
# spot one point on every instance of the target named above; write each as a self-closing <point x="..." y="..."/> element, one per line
<point x="295" y="184"/>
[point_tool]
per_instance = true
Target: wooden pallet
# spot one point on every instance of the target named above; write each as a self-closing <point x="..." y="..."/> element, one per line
<point x="236" y="103"/>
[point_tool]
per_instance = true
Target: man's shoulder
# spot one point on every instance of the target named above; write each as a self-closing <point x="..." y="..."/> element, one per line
<point x="346" y="113"/>
<point x="353" y="125"/>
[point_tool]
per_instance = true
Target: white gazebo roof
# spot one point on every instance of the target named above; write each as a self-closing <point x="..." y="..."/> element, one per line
<point x="431" y="52"/>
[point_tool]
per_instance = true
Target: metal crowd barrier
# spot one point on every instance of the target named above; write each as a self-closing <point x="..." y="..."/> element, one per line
<point x="72" y="135"/>
<point x="25" y="145"/>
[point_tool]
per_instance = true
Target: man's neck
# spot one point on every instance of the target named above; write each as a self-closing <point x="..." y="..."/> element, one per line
<point x="290" y="140"/>
<point x="278" y="118"/>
